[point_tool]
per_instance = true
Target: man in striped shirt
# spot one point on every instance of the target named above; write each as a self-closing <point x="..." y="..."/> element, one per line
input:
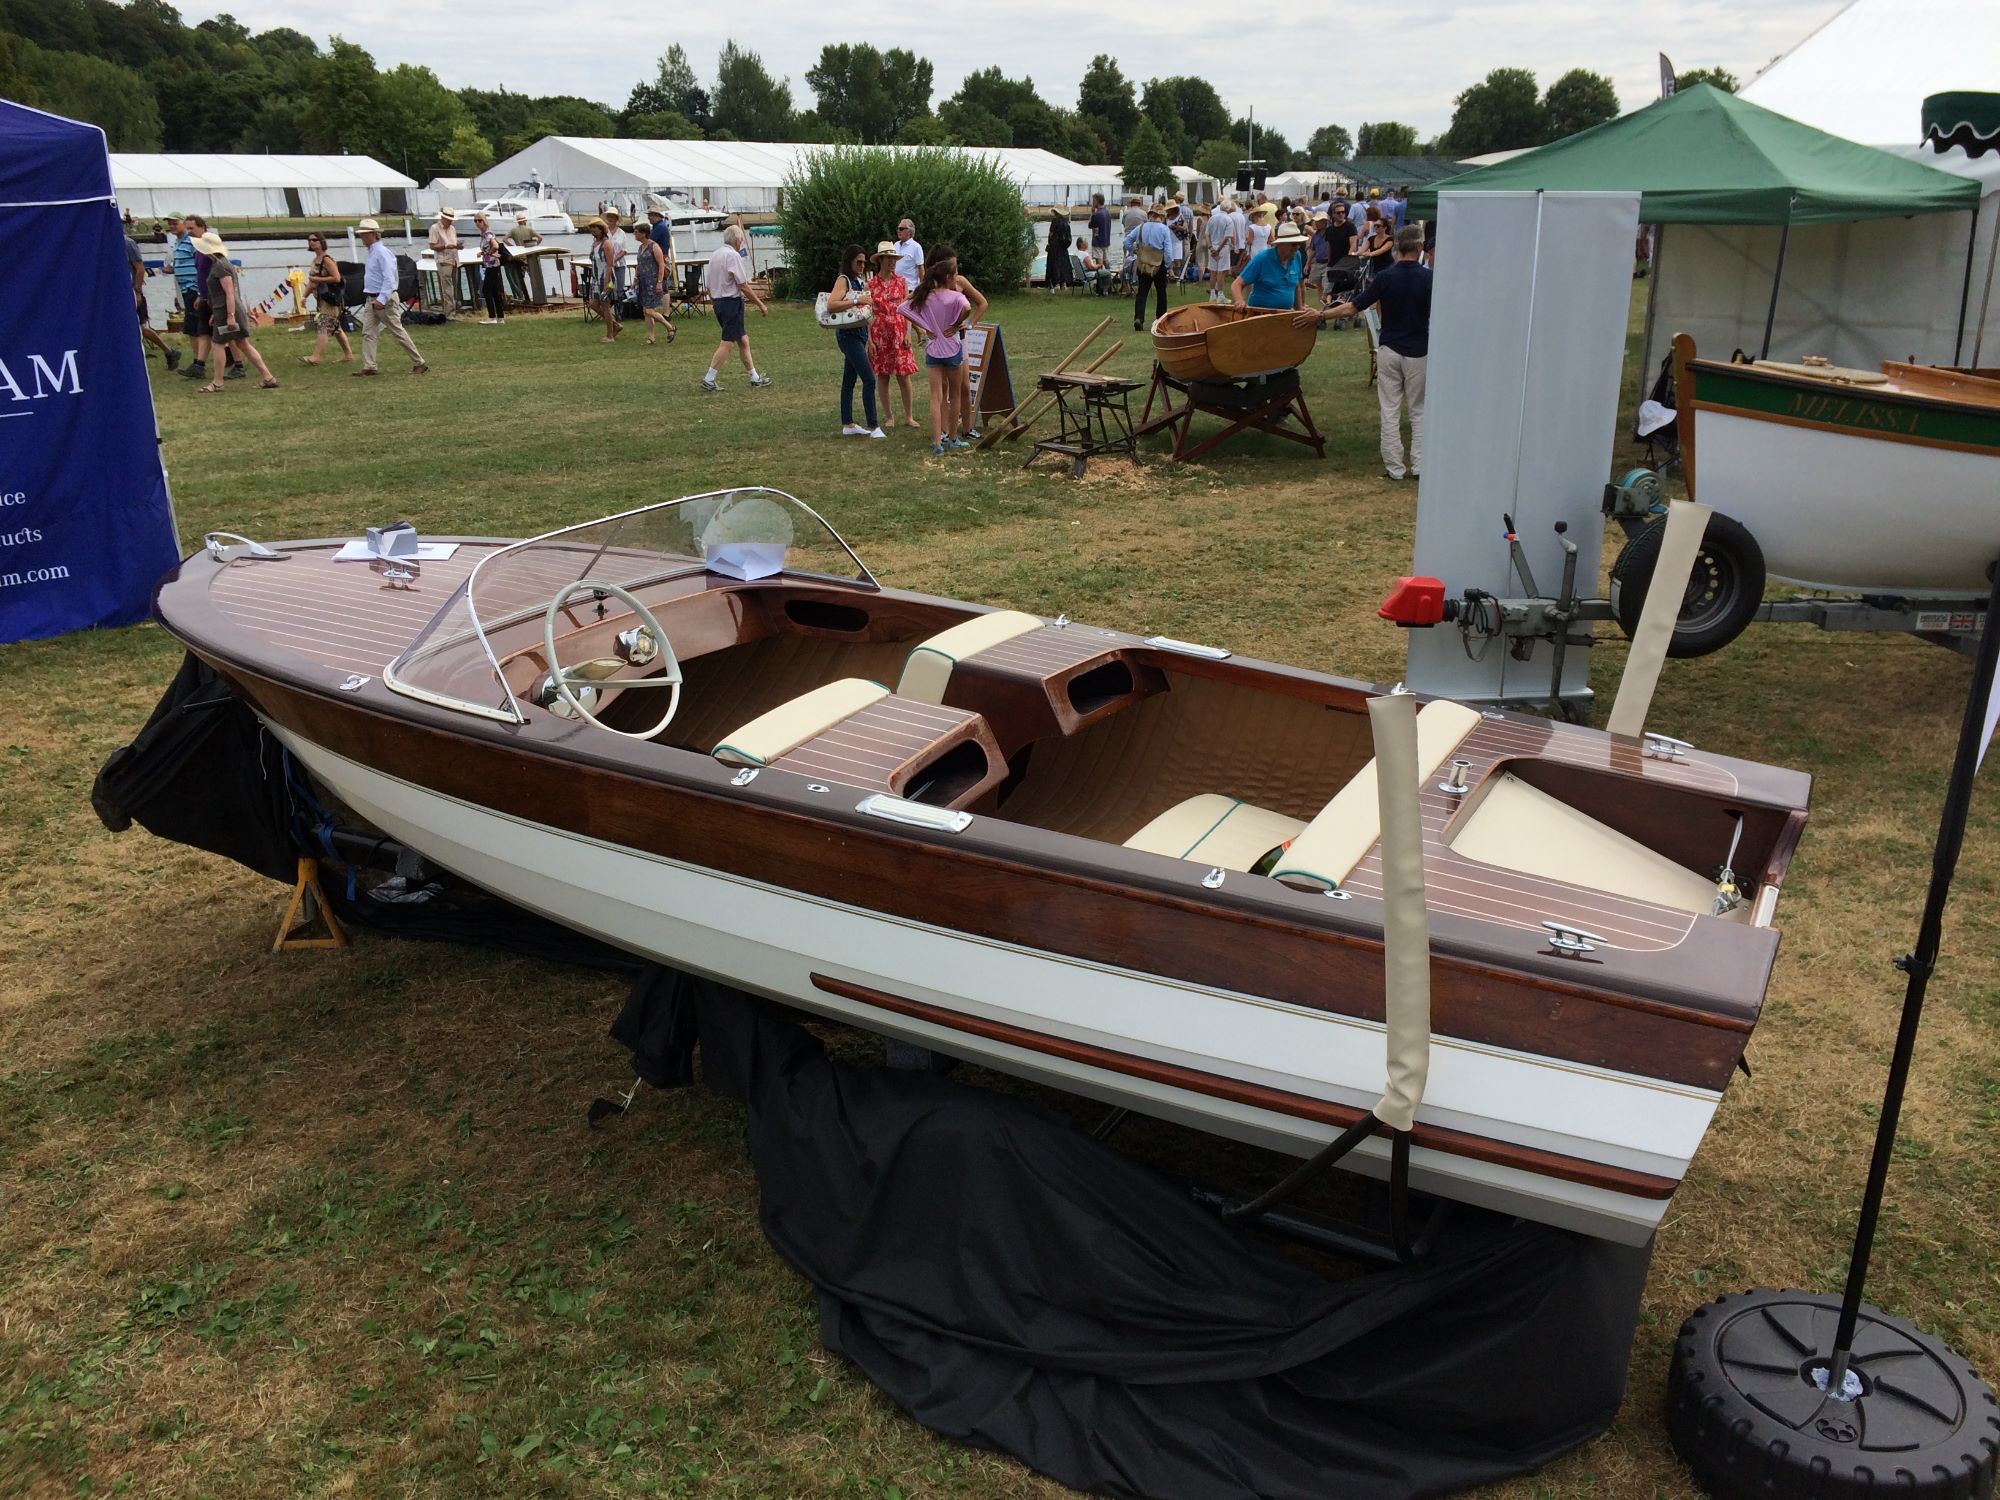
<point x="187" y="282"/>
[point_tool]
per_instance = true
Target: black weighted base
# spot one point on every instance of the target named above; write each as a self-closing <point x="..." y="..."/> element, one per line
<point x="1748" y="1412"/>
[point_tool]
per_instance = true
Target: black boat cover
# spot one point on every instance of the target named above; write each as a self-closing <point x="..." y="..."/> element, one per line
<point x="203" y="772"/>
<point x="1016" y="1285"/>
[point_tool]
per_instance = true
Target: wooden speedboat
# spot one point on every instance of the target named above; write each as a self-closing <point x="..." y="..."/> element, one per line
<point x="1142" y="870"/>
<point x="1203" y="341"/>
<point x="1866" y="481"/>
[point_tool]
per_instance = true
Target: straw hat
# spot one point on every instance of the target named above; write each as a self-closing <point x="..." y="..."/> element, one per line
<point x="610" y="213"/>
<point x="1374" y="193"/>
<point x="1156" y="212"/>
<point x="210" y="244"/>
<point x="1321" y="218"/>
<point x="367" y="226"/>
<point x="1289" y="234"/>
<point x="884" y="250"/>
<point x="521" y="218"/>
<point x="1264" y="211"/>
<point x="447" y="214"/>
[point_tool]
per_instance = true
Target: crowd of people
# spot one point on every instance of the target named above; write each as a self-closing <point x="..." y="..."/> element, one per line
<point x="1253" y="253"/>
<point x="880" y="307"/>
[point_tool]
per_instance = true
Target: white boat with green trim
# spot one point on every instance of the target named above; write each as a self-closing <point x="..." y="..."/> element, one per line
<point x="1861" y="481"/>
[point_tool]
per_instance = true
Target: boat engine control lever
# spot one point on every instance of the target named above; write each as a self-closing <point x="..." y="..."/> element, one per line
<point x="1727" y="896"/>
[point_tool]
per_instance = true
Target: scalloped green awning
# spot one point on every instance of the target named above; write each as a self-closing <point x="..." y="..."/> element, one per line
<point x="1968" y="120"/>
<point x="1707" y="157"/>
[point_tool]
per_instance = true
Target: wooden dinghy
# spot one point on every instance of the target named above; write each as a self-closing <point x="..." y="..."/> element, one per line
<point x="1149" y="872"/>
<point x="1205" y="342"/>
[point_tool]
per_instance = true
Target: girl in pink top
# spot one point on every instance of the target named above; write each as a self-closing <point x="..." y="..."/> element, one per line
<point x="939" y="311"/>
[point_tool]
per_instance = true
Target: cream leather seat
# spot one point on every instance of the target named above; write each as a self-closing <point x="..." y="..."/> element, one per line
<point x="1349" y="825"/>
<point x="797" y="720"/>
<point x="1215" y="830"/>
<point x="1218" y="830"/>
<point x="927" y="669"/>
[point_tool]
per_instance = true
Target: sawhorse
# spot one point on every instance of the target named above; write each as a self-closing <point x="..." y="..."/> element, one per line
<point x="1274" y="404"/>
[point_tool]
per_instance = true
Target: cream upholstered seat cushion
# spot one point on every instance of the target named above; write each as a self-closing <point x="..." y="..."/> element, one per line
<point x="792" y="723"/>
<point x="1215" y="830"/>
<point x="1520" y="827"/>
<point x="1348" y="826"/>
<point x="928" y="667"/>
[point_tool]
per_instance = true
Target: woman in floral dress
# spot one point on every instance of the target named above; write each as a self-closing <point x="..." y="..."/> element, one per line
<point x="889" y="351"/>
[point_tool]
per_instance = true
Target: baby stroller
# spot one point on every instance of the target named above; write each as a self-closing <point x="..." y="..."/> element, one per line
<point x="1340" y="281"/>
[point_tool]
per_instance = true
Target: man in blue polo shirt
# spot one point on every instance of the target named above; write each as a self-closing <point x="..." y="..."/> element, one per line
<point x="1271" y="280"/>
<point x="1404" y="291"/>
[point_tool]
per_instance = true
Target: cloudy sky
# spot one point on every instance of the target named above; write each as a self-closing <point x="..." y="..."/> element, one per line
<point x="1301" y="65"/>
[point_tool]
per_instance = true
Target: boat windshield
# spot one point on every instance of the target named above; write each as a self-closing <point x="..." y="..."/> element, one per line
<point x="743" y="533"/>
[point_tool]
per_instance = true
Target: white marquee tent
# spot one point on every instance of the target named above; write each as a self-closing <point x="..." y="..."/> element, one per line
<point x="743" y="176"/>
<point x="1866" y="72"/>
<point x="1198" y="186"/>
<point x="241" y="187"/>
<point x="1865" y="292"/>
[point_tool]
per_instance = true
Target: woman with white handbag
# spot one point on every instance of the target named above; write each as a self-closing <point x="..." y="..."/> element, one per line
<point x="846" y="309"/>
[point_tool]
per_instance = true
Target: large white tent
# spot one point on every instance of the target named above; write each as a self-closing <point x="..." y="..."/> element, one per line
<point x="152" y="185"/>
<point x="1866" y="73"/>
<point x="743" y="176"/>
<point x="1865" y="292"/>
<point x="1198" y="186"/>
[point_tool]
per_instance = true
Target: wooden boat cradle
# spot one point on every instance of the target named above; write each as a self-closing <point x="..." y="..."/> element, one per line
<point x="1204" y="341"/>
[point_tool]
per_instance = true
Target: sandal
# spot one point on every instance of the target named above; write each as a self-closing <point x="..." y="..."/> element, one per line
<point x="268" y="385"/>
<point x="672" y="333"/>
<point x="307" y="360"/>
<point x="213" y="388"/>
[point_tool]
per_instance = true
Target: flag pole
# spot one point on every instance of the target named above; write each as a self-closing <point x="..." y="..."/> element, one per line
<point x="1918" y="965"/>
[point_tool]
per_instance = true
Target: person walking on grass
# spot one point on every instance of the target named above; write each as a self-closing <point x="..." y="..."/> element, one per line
<point x="603" y="299"/>
<point x="1149" y="250"/>
<point x="940" y="311"/>
<point x="328" y="285"/>
<point x="382" y="302"/>
<point x="650" y="257"/>
<point x="889" y="351"/>
<point x="137" y="263"/>
<point x="727" y="282"/>
<point x="230" y="313"/>
<point x="1404" y="290"/>
<point x="187" y="281"/>
<point x="849" y="292"/>
<point x="492" y="289"/>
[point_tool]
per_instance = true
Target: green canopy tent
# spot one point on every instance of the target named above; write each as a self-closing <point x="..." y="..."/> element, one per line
<point x="1706" y="157"/>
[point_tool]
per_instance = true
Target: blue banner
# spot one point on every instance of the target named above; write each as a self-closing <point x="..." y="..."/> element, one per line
<point x="85" y="526"/>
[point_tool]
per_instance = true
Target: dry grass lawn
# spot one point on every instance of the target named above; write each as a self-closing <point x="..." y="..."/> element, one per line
<point x="330" y="1224"/>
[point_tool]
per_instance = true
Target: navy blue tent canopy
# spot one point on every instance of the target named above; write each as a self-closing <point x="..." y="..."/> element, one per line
<point x="86" y="528"/>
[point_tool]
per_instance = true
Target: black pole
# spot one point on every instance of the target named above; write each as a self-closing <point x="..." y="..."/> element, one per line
<point x="1777" y="280"/>
<point x="1918" y="965"/>
<point x="1965" y="287"/>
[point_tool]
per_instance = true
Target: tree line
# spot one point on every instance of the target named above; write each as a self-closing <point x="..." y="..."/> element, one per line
<point x="157" y="83"/>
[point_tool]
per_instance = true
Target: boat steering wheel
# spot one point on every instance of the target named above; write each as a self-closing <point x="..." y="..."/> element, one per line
<point x="566" y="680"/>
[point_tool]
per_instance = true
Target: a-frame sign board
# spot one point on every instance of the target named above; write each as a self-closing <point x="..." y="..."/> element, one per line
<point x="986" y="369"/>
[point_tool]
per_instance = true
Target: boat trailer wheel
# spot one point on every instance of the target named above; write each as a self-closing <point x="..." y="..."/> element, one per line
<point x="1725" y="587"/>
<point x="566" y="680"/>
<point x="1748" y="1411"/>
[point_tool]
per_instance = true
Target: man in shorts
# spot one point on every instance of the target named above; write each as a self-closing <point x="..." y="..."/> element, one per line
<point x="727" y="282"/>
<point x="187" y="281"/>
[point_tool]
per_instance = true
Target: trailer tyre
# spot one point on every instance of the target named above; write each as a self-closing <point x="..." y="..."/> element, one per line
<point x="1724" y="589"/>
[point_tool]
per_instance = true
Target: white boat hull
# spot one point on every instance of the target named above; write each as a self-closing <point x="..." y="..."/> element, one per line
<point x="772" y="941"/>
<point x="1833" y="510"/>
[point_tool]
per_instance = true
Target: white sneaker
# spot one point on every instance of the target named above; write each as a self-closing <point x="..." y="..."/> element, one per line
<point x="758" y="379"/>
<point x="854" y="429"/>
<point x="489" y="322"/>
<point x="875" y="432"/>
<point x="709" y="387"/>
